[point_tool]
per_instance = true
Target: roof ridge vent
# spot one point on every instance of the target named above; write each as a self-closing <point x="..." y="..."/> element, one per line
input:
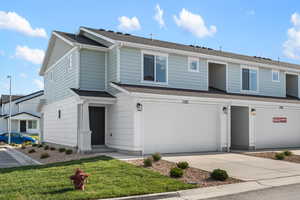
<point x="127" y="34"/>
<point x="101" y="29"/>
<point x="120" y="33"/>
<point x="110" y="31"/>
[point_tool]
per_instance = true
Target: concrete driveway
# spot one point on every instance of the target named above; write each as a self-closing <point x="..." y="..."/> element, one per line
<point x="6" y="160"/>
<point x="240" y="166"/>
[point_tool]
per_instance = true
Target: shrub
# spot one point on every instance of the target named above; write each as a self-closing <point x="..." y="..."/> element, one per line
<point x="46" y="147"/>
<point x="182" y="165"/>
<point x="27" y="143"/>
<point x="176" y="172"/>
<point x="44" y="155"/>
<point x="287" y="153"/>
<point x="31" y="151"/>
<point x="147" y="162"/>
<point x="61" y="150"/>
<point x="279" y="156"/>
<point x="219" y="174"/>
<point x="69" y="151"/>
<point x="52" y="148"/>
<point x="40" y="146"/>
<point x="23" y="147"/>
<point x="34" y="145"/>
<point x="156" y="157"/>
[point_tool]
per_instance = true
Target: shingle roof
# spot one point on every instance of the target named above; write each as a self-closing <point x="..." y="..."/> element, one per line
<point x="30" y="96"/>
<point x="5" y="98"/>
<point x="208" y="94"/>
<point x="79" y="39"/>
<point x="26" y="113"/>
<point x="88" y="93"/>
<point x="159" y="43"/>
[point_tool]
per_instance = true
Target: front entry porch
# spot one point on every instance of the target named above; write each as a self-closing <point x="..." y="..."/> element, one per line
<point x="24" y="123"/>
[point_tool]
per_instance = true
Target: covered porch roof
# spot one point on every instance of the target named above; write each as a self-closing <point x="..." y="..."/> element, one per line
<point x="23" y="116"/>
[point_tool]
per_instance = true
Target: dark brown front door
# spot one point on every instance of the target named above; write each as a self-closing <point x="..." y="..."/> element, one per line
<point x="23" y="126"/>
<point x="97" y="125"/>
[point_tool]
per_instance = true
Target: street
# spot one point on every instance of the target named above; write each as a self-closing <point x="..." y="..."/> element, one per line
<point x="288" y="192"/>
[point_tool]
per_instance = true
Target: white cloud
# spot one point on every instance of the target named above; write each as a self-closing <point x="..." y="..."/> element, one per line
<point x="291" y="47"/>
<point x="13" y="21"/>
<point x="39" y="84"/>
<point x="250" y="12"/>
<point x="35" y="56"/>
<point x="194" y="23"/>
<point x="129" y="24"/>
<point x="159" y="16"/>
<point x="23" y="75"/>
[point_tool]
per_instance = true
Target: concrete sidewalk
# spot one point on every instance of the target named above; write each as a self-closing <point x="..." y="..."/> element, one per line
<point x="243" y="167"/>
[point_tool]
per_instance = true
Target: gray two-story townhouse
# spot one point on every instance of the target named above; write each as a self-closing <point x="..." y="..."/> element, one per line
<point x="141" y="95"/>
<point x="25" y="116"/>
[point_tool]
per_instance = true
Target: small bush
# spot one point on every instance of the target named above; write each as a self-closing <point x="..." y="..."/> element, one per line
<point x="52" y="148"/>
<point x="287" y="153"/>
<point x="40" y="146"/>
<point x="27" y="143"/>
<point x="34" y="145"/>
<point x="176" y="172"/>
<point x="182" y="165"/>
<point x="23" y="147"/>
<point x="156" y="157"/>
<point x="44" y="155"/>
<point x="147" y="162"/>
<point x="46" y="147"/>
<point x="279" y="156"/>
<point x="31" y="151"/>
<point x="219" y="174"/>
<point x="61" y="150"/>
<point x="69" y="151"/>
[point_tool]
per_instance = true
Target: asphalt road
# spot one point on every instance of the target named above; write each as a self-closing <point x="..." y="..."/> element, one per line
<point x="288" y="192"/>
<point x="6" y="160"/>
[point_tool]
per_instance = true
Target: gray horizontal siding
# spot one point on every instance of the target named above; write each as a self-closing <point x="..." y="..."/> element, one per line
<point x="63" y="79"/>
<point x="112" y="69"/>
<point x="92" y="70"/>
<point x="178" y="74"/>
<point x="269" y="87"/>
<point x="59" y="49"/>
<point x="234" y="78"/>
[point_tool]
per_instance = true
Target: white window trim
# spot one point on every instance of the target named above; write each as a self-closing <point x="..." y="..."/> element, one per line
<point x="192" y="59"/>
<point x="142" y="67"/>
<point x="277" y="71"/>
<point x="241" y="79"/>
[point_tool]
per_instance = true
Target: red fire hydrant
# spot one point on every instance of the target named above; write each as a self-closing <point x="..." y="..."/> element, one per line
<point x="79" y="179"/>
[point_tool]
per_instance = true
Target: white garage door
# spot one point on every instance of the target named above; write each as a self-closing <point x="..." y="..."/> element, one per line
<point x="177" y="127"/>
<point x="275" y="135"/>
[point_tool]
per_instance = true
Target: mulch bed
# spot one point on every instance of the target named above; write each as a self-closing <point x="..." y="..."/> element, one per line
<point x="191" y="175"/>
<point x="55" y="156"/>
<point x="271" y="155"/>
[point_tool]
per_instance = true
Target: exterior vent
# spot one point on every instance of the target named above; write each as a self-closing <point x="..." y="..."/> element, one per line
<point x="258" y="57"/>
<point x="120" y="33"/>
<point x="127" y="34"/>
<point x="101" y="29"/>
<point x="110" y="31"/>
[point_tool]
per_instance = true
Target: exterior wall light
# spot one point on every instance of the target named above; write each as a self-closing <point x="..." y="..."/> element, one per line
<point x="139" y="107"/>
<point x="280" y="107"/>
<point x="225" y="110"/>
<point x="253" y="111"/>
<point x="185" y="101"/>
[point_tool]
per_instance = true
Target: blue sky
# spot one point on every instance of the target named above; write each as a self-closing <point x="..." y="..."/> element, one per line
<point x="262" y="28"/>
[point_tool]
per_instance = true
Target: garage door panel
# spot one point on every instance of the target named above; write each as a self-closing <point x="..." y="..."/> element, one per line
<point x="173" y="127"/>
<point x="276" y="135"/>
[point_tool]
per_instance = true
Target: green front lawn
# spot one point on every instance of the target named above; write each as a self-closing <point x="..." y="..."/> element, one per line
<point x="108" y="178"/>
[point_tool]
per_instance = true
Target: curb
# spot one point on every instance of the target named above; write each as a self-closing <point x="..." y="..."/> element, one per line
<point x="149" y="196"/>
<point x="21" y="158"/>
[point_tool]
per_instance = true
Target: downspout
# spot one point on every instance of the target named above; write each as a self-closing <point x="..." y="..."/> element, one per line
<point x="228" y="127"/>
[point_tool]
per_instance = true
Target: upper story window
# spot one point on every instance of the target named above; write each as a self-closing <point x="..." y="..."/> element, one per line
<point x="193" y="65"/>
<point x="275" y="75"/>
<point x="70" y="62"/>
<point x="249" y="79"/>
<point x="155" y="68"/>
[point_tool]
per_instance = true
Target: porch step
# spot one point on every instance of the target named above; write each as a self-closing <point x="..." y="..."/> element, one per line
<point x="102" y="150"/>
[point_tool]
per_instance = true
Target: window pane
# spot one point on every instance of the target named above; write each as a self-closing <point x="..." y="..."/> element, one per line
<point x="253" y="80"/>
<point x="275" y="76"/>
<point x="148" y="67"/>
<point x="193" y="65"/>
<point x="161" y="67"/>
<point x="34" y="124"/>
<point x="245" y="79"/>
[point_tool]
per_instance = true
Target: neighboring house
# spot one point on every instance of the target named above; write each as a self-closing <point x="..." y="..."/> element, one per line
<point x="143" y="95"/>
<point x="25" y="116"/>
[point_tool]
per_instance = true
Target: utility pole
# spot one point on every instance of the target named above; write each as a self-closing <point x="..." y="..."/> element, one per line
<point x="9" y="119"/>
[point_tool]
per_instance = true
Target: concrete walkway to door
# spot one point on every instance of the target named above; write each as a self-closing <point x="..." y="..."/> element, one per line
<point x="240" y="166"/>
